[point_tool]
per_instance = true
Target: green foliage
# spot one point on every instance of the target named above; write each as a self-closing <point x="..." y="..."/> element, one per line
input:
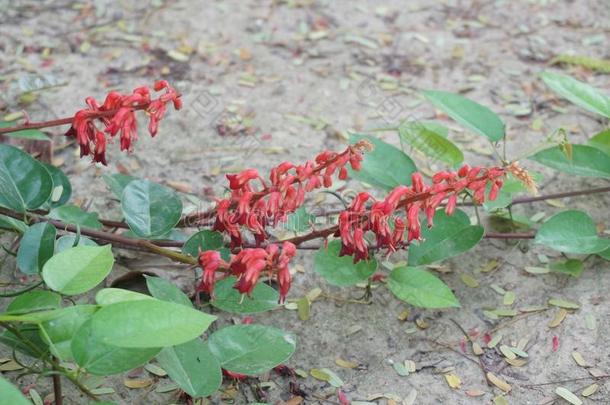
<point x="420" y="288"/>
<point x="226" y="298"/>
<point x="32" y="301"/>
<point x="117" y="183"/>
<point x="385" y="167"/>
<point x="571" y="231"/>
<point x="62" y="189"/>
<point x="36" y="247"/>
<point x="30" y="134"/>
<point x="601" y="141"/>
<point x="571" y="267"/>
<point x="300" y="220"/>
<point x="68" y="241"/>
<point x="11" y="395"/>
<point x="431" y="143"/>
<point x="25" y="184"/>
<point x="585" y="161"/>
<point x="71" y="214"/>
<point x="205" y="240"/>
<point x="166" y="291"/>
<point x="579" y="93"/>
<point x="107" y="296"/>
<point x="251" y="349"/>
<point x="59" y="331"/>
<point x="450" y="236"/>
<point x="473" y="116"/>
<point x="341" y="270"/>
<point x="150" y="209"/>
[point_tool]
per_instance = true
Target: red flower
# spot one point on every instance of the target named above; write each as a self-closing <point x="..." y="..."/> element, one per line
<point x="209" y="261"/>
<point x="117" y="115"/>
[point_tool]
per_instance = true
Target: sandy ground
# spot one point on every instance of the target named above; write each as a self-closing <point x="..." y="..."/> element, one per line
<point x="268" y="81"/>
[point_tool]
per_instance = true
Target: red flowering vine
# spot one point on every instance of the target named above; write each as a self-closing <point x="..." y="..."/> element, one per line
<point x="285" y="192"/>
<point x="247" y="266"/>
<point x="357" y="219"/>
<point x="117" y="115"/>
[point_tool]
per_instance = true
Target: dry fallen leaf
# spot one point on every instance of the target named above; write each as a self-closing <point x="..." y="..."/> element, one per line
<point x="558" y="318"/>
<point x="568" y="395"/>
<point x="137" y="382"/>
<point x="579" y="359"/>
<point x="345" y="363"/>
<point x="475" y="393"/>
<point x="453" y="381"/>
<point x="590" y="390"/>
<point x="10" y="365"/>
<point x="498" y="382"/>
<point x="476" y="349"/>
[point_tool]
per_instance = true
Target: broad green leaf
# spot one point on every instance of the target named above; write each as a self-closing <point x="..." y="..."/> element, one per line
<point x="227" y="298"/>
<point x="205" y="240"/>
<point x="99" y="358"/>
<point x="107" y="296"/>
<point x="571" y="231"/>
<point x="67" y="241"/>
<point x="12" y="395"/>
<point x="586" y="161"/>
<point x="30" y="134"/>
<point x="450" y="236"/>
<point x="579" y="93"/>
<point x="420" y="288"/>
<point x="166" y="291"/>
<point x="117" y="183"/>
<point x="341" y="270"/>
<point x="59" y="331"/>
<point x="193" y="367"/>
<point x="150" y="209"/>
<point x="473" y="116"/>
<point x="148" y="323"/>
<point x="385" y="166"/>
<point x="78" y="269"/>
<point x="62" y="189"/>
<point x="13" y="224"/>
<point x="300" y="220"/>
<point x="34" y="301"/>
<point x="36" y="247"/>
<point x="605" y="254"/>
<point x="29" y="332"/>
<point x="571" y="267"/>
<point x="25" y="184"/>
<point x="434" y="145"/>
<point x="601" y="141"/>
<point x="71" y="214"/>
<point x="251" y="349"/>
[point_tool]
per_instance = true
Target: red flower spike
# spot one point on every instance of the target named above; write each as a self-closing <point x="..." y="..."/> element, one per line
<point x="209" y="261"/>
<point x="356" y="220"/>
<point x="254" y="209"/>
<point x="117" y="115"/>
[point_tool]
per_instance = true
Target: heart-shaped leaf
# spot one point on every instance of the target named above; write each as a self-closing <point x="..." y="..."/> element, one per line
<point x="473" y="116"/>
<point x="78" y="269"/>
<point x="571" y="231"/>
<point x="420" y="288"/>
<point x="148" y="323"/>
<point x="251" y="349"/>
<point x="149" y="208"/>
<point x="450" y="236"/>
<point x="341" y="270"/>
<point x="385" y="166"/>
<point x="25" y="184"/>
<point x="193" y="367"/>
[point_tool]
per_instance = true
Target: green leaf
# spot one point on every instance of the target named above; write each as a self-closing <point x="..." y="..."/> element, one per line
<point x="78" y="269"/>
<point x="149" y="208"/>
<point x="263" y="298"/>
<point x="13" y="224"/>
<point x="473" y="116"/>
<point x="71" y="214"/>
<point x="341" y="271"/>
<point x="300" y="220"/>
<point x="251" y="349"/>
<point x="36" y="247"/>
<point x="58" y="332"/>
<point x="31" y="134"/>
<point x="579" y="93"/>
<point x="420" y="288"/>
<point x="62" y="189"/>
<point x="205" y="240"/>
<point x="67" y="241"/>
<point x="148" y="323"/>
<point x="385" y="167"/>
<point x="166" y="291"/>
<point x="24" y="183"/>
<point x="432" y="144"/>
<point x="601" y="141"/>
<point x="98" y="358"/>
<point x="450" y="236"/>
<point x="11" y="395"/>
<point x="586" y="161"/>
<point x="107" y="296"/>
<point x="571" y="231"/>
<point x="29" y="332"/>
<point x="604" y="254"/>
<point x="117" y="183"/>
<point x="571" y="267"/>
<point x="32" y="301"/>
<point x="193" y="367"/>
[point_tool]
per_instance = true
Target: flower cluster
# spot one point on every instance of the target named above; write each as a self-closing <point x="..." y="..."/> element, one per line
<point x="357" y="219"/>
<point x="284" y="193"/>
<point x="117" y="115"/>
<point x="247" y="266"/>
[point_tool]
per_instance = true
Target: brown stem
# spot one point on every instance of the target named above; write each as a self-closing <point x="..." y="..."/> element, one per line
<point x="57" y="389"/>
<point x="64" y="121"/>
